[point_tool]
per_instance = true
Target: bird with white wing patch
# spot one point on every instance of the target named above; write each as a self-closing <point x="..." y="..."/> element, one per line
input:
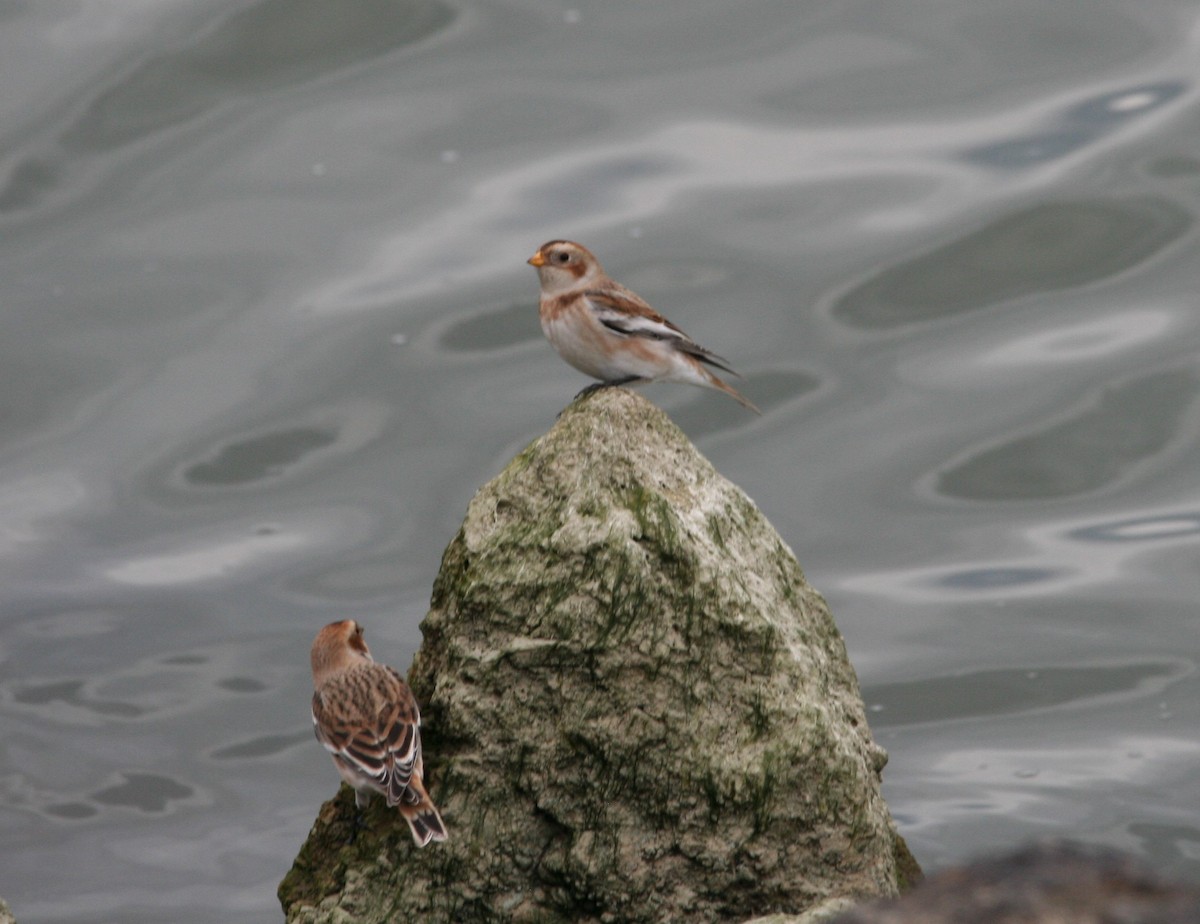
<point x="610" y="333"/>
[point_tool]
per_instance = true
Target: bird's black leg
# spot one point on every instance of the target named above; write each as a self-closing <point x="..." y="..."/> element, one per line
<point x="614" y="383"/>
<point x="357" y="823"/>
<point x="596" y="386"/>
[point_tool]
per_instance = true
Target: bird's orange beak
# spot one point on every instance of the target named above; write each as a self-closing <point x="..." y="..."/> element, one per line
<point x="537" y="260"/>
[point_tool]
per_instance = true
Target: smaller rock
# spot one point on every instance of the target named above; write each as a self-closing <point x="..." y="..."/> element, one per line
<point x="1050" y="883"/>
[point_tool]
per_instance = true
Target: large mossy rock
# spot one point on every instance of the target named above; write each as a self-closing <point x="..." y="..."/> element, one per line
<point x="635" y="709"/>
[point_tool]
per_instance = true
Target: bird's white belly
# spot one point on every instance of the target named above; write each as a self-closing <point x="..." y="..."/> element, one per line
<point x="591" y="351"/>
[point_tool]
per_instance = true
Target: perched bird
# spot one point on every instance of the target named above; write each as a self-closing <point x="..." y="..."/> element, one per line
<point x="608" y="332"/>
<point x="366" y="717"/>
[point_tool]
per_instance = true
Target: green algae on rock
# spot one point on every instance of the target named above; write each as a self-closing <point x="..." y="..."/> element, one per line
<point x="635" y="708"/>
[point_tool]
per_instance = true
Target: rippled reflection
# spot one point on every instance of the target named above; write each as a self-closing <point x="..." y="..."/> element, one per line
<point x="769" y="389"/>
<point x="1055" y="558"/>
<point x="495" y="329"/>
<point x="260" y="457"/>
<point x="260" y="747"/>
<point x="1043" y="248"/>
<point x="1075" y="342"/>
<point x="1141" y="529"/>
<point x="220" y="557"/>
<point x="1098" y="443"/>
<point x="269" y="45"/>
<point x="1009" y="691"/>
<point x="147" y="792"/>
<point x="992" y="578"/>
<point x="280" y="449"/>
<point x="1076" y="126"/>
<point x="74" y="694"/>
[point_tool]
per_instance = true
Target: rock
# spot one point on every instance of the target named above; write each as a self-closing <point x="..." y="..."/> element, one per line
<point x="6" y="916"/>
<point x="824" y="913"/>
<point x="635" y="709"/>
<point x="1049" y="883"/>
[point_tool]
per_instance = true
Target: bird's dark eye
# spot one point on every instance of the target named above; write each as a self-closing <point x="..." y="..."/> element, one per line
<point x="562" y="257"/>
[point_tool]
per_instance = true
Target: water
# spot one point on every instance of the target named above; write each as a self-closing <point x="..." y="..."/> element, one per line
<point x="267" y="326"/>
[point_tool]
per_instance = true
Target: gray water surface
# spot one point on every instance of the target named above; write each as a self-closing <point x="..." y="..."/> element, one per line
<point x="268" y="325"/>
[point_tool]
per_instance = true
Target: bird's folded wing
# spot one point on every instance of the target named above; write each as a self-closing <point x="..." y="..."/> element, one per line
<point x="623" y="312"/>
<point x="373" y="728"/>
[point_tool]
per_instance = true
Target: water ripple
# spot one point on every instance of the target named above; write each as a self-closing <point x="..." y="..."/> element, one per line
<point x="1045" y="247"/>
<point x="1076" y="126"/>
<point x="236" y="551"/>
<point x="268" y="46"/>
<point x="1057" y="558"/>
<point x="1099" y="442"/>
<point x="1010" y="691"/>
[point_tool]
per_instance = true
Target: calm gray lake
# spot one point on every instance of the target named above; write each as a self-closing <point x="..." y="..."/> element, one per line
<point x="267" y="325"/>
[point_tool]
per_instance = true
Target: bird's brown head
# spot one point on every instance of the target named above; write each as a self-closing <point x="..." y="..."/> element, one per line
<point x="563" y="265"/>
<point x="336" y="647"/>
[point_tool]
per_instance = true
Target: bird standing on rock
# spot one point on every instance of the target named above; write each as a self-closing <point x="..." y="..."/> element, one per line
<point x="609" y="332"/>
<point x="367" y="719"/>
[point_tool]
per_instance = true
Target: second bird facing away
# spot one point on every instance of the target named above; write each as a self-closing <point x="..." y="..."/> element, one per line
<point x="367" y="719"/>
<point x="609" y="332"/>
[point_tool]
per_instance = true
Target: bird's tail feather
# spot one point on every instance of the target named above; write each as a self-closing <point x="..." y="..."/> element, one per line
<point x="729" y="390"/>
<point x="422" y="815"/>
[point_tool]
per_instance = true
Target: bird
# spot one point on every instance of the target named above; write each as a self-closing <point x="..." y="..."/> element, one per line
<point x="610" y="333"/>
<point x="366" y="717"/>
